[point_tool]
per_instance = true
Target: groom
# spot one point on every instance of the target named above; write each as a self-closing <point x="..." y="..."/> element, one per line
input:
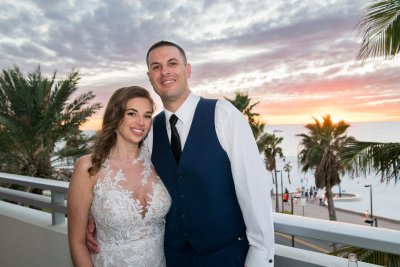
<point x="221" y="213"/>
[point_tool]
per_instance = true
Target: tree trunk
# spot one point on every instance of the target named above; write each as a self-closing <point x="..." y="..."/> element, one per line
<point x="331" y="206"/>
<point x="331" y="209"/>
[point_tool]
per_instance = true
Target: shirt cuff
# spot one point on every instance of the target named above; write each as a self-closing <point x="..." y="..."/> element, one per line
<point x="258" y="258"/>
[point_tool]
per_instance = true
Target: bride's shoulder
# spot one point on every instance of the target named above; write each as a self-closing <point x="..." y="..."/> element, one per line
<point x="84" y="161"/>
<point x="81" y="174"/>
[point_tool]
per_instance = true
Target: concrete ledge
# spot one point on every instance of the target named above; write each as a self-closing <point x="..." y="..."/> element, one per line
<point x="288" y="256"/>
<point x="29" y="239"/>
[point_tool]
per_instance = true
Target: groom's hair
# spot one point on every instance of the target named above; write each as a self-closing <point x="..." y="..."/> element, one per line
<point x="166" y="43"/>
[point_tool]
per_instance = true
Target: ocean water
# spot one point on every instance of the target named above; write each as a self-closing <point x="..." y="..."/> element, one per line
<point x="362" y="131"/>
<point x="385" y="196"/>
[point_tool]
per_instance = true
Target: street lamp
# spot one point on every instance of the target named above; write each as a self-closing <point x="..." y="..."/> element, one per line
<point x="276" y="185"/>
<point x="283" y="210"/>
<point x="276" y="190"/>
<point x="371" y="215"/>
<point x="276" y="179"/>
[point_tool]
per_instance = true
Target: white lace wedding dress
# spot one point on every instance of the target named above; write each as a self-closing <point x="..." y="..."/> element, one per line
<point x="129" y="207"/>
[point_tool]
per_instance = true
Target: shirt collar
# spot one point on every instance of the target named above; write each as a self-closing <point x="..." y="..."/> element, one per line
<point x="185" y="111"/>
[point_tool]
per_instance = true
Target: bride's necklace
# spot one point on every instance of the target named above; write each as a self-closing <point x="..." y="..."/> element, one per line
<point x="133" y="161"/>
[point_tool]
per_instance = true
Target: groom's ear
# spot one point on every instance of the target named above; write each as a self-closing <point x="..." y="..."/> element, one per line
<point x="188" y="70"/>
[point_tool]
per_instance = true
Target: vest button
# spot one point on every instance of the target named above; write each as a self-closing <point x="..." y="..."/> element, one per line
<point x="183" y="215"/>
<point x="182" y="196"/>
<point x="180" y="177"/>
<point x="185" y="234"/>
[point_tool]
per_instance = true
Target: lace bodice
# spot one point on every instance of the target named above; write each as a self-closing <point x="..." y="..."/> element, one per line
<point x="129" y="207"/>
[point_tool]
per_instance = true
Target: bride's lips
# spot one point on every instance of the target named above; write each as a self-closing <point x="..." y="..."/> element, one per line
<point x="137" y="131"/>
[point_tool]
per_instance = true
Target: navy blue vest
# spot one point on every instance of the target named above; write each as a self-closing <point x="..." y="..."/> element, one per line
<point x="205" y="211"/>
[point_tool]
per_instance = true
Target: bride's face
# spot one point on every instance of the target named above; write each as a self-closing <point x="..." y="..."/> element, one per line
<point x="137" y="120"/>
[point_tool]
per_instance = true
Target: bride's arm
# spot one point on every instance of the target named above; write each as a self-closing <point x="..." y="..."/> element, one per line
<point x="80" y="195"/>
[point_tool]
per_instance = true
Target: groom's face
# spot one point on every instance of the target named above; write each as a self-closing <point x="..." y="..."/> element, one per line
<point x="169" y="74"/>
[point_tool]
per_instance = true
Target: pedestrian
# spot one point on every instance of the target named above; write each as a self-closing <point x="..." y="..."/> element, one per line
<point x="286" y="195"/>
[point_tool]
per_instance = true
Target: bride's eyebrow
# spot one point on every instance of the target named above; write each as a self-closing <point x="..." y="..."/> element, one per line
<point x="135" y="110"/>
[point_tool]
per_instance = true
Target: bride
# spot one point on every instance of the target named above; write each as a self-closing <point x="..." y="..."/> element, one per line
<point x="118" y="186"/>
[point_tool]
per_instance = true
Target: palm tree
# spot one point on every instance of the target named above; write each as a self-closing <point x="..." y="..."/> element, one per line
<point x="287" y="168"/>
<point x="242" y="102"/>
<point x="380" y="29"/>
<point x="379" y="26"/>
<point x="77" y="143"/>
<point x="321" y="152"/>
<point x="266" y="143"/>
<point x="384" y="158"/>
<point x="270" y="150"/>
<point x="35" y="114"/>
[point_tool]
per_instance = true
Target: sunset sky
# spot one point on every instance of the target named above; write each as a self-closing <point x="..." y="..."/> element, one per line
<point x="297" y="58"/>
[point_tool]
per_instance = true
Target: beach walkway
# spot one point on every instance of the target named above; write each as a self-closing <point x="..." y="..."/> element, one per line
<point x="314" y="210"/>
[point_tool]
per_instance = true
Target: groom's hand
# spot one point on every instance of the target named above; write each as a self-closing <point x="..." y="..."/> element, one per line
<point x="91" y="241"/>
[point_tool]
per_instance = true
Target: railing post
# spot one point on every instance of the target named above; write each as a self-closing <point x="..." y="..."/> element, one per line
<point x="57" y="217"/>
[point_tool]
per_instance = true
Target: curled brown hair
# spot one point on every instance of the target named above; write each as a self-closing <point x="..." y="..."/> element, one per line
<point x="113" y="115"/>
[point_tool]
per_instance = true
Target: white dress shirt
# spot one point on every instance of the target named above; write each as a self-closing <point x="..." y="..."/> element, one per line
<point x="252" y="184"/>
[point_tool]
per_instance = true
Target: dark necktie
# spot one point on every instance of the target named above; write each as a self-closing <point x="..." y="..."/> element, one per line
<point x="175" y="140"/>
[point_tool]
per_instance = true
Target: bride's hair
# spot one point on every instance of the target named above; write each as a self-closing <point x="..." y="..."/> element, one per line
<point x="113" y="115"/>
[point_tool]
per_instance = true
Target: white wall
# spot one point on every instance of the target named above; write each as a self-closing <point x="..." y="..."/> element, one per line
<point x="27" y="238"/>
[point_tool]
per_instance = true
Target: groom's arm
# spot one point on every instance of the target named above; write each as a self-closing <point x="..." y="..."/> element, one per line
<point x="252" y="184"/>
<point x="91" y="241"/>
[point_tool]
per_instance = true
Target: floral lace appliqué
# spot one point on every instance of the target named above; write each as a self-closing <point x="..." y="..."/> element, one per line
<point x="129" y="233"/>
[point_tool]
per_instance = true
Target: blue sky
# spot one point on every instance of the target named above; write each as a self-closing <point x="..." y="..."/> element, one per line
<point x="297" y="58"/>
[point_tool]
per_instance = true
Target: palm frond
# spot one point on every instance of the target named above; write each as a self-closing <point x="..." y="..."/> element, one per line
<point x="242" y="103"/>
<point x="383" y="158"/>
<point x="34" y="117"/>
<point x="379" y="26"/>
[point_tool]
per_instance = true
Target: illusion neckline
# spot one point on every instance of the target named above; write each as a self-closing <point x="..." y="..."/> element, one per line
<point x="134" y="160"/>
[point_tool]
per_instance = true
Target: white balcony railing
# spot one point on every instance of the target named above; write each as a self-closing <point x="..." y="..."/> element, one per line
<point x="28" y="232"/>
<point x="55" y="202"/>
